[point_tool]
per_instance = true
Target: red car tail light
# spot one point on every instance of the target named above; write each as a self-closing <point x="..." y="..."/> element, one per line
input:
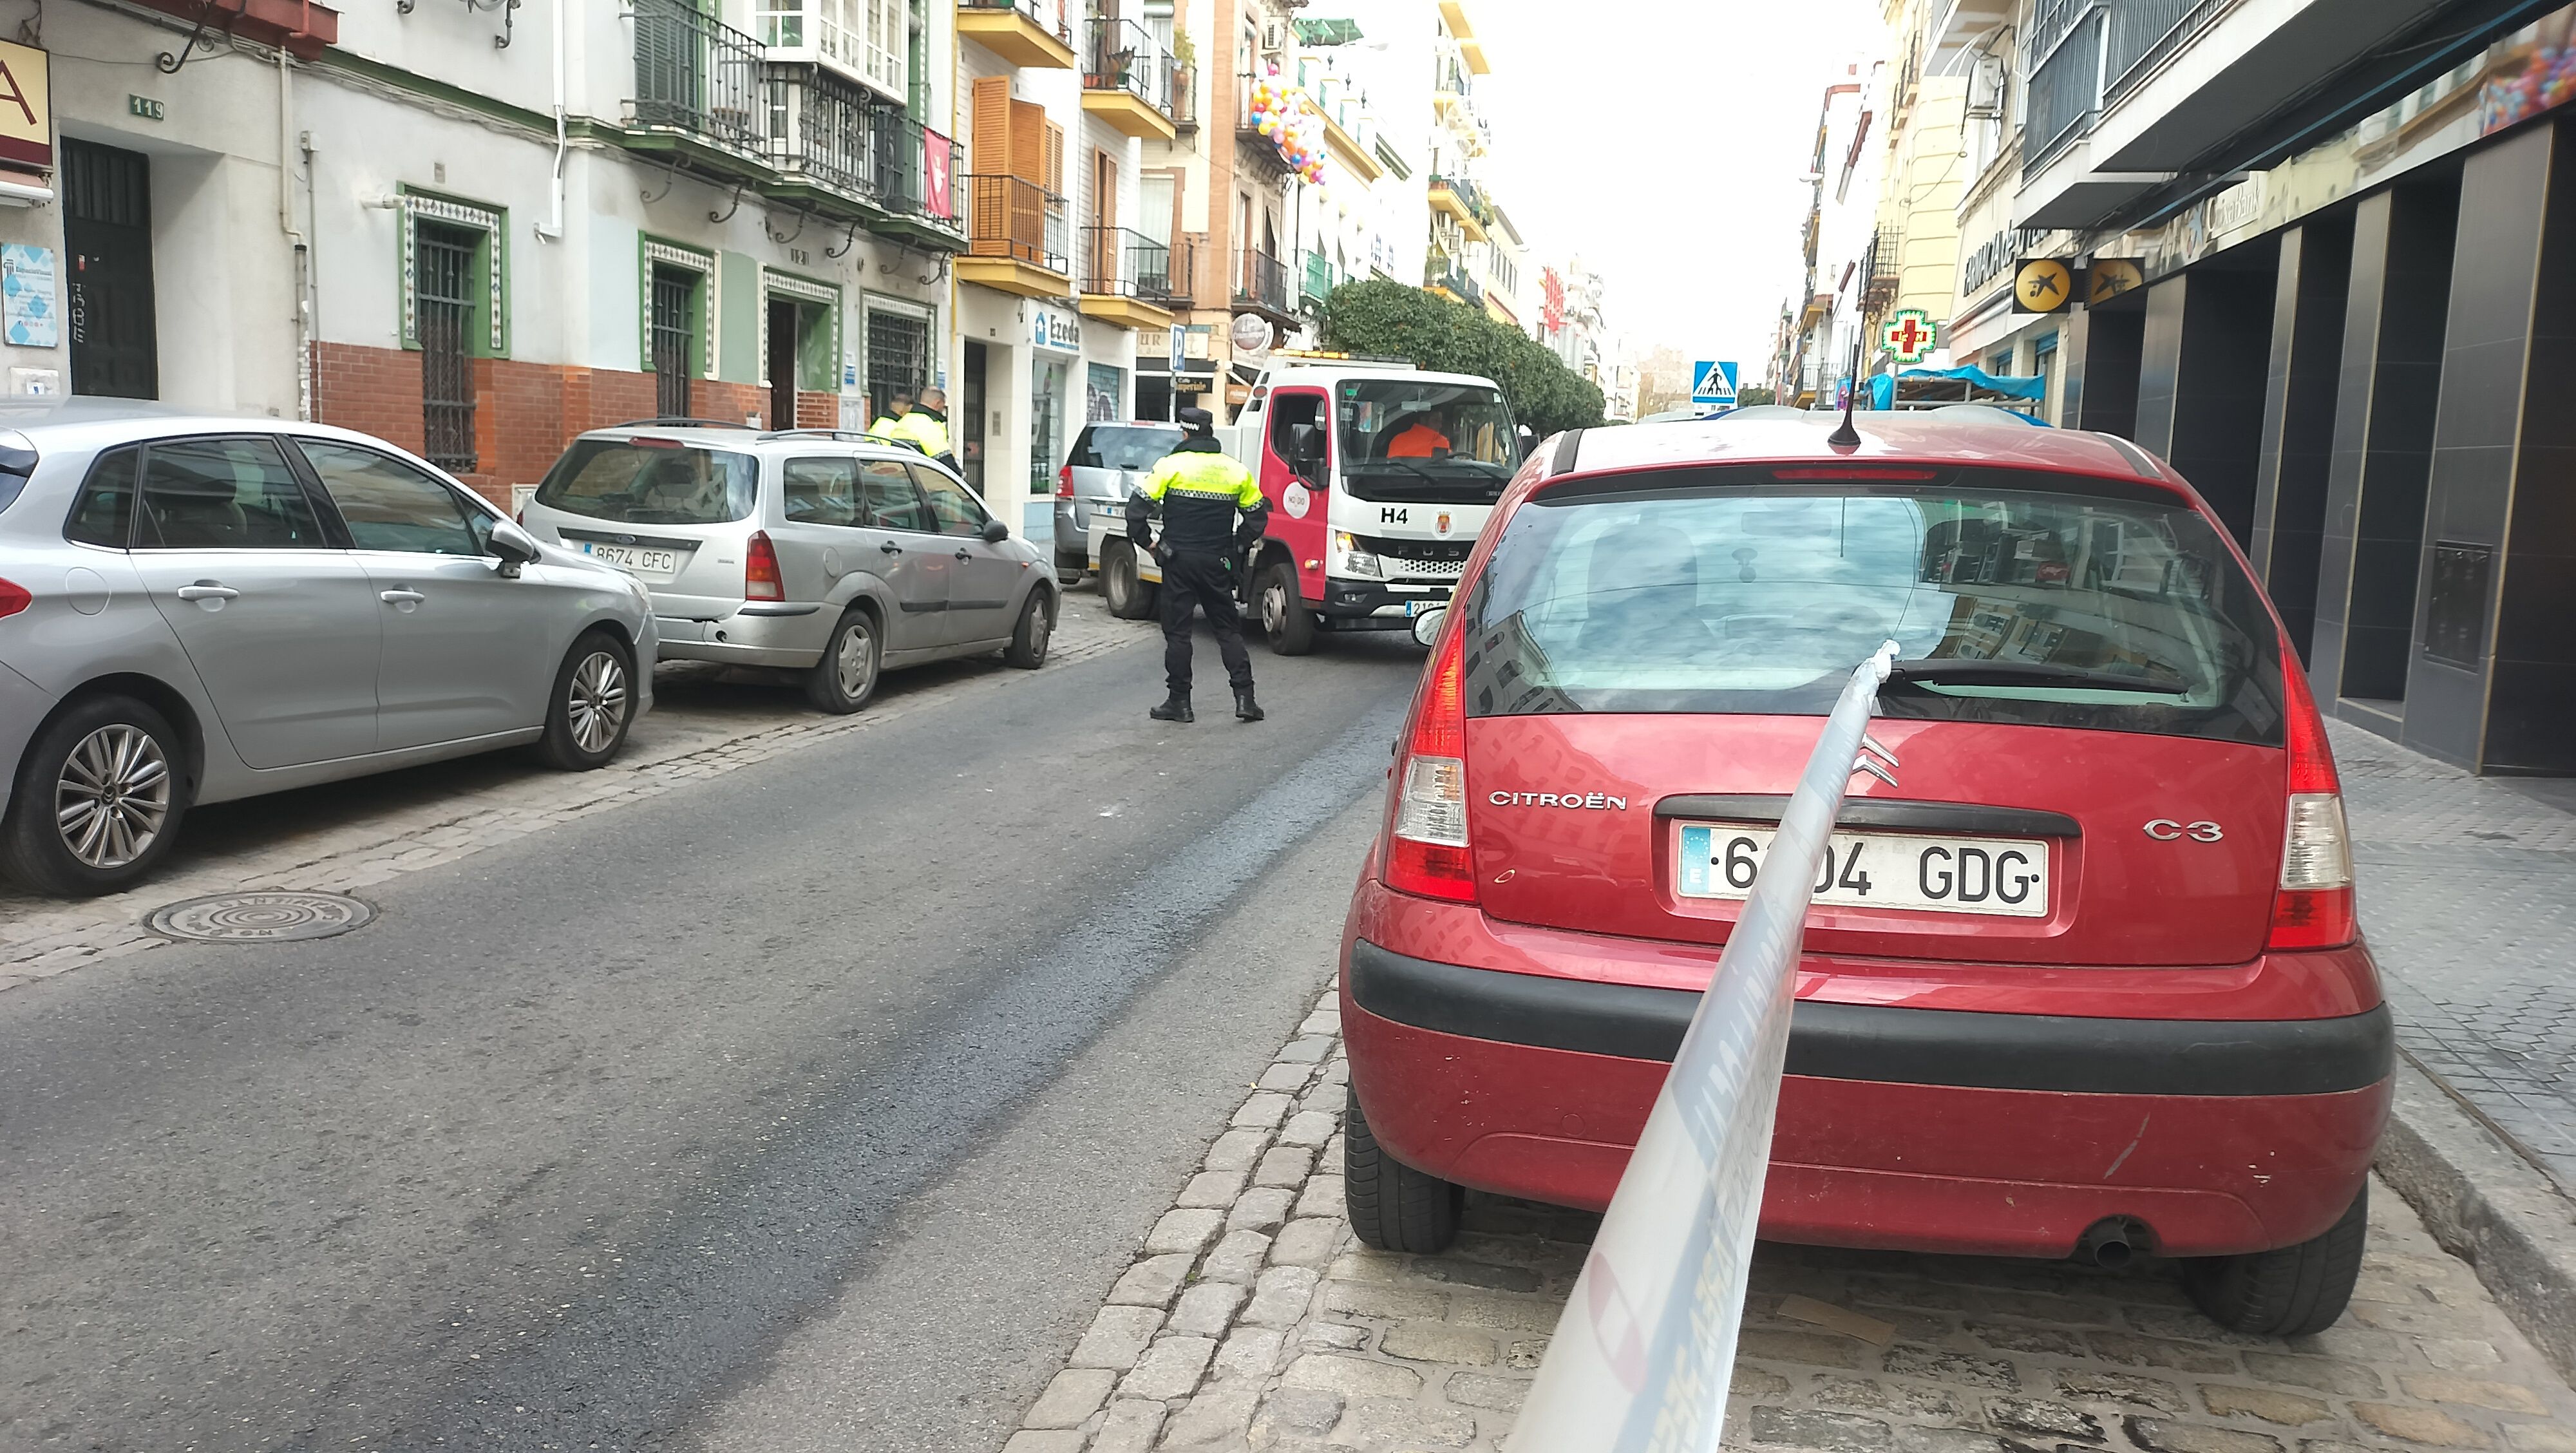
<point x="1064" y="482"/>
<point x="2313" y="907"/>
<point x="760" y="577"/>
<point x="14" y="598"/>
<point x="1427" y="843"/>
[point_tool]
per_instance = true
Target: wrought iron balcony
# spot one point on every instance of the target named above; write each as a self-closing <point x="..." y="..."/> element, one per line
<point x="1261" y="285"/>
<point x="1447" y="275"/>
<point x="698" y="78"/>
<point x="1884" y="265"/>
<point x="1121" y="262"/>
<point x="1124" y="57"/>
<point x="825" y="132"/>
<point x="2064" y="62"/>
<point x="1012" y="217"/>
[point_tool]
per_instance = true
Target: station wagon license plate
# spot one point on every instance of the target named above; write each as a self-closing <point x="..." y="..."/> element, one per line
<point x="637" y="560"/>
<point x="2005" y="876"/>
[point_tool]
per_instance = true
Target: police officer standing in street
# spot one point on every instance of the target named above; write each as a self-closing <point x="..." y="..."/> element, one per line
<point x="1201" y="490"/>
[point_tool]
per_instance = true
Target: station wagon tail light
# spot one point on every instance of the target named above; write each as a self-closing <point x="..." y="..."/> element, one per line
<point x="14" y="598"/>
<point x="1427" y="844"/>
<point x="760" y="577"/>
<point x="2313" y="907"/>
<point x="1064" y="482"/>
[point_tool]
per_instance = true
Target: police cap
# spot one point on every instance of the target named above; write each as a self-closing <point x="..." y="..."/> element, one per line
<point x="1198" y="419"/>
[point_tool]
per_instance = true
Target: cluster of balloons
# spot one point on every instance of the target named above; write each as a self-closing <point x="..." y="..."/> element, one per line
<point x="1287" y="115"/>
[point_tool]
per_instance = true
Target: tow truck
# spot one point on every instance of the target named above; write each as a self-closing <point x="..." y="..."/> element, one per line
<point x="1380" y="476"/>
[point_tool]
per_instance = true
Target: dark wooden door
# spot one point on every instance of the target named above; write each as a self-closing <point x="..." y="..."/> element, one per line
<point x="782" y="364"/>
<point x="107" y="236"/>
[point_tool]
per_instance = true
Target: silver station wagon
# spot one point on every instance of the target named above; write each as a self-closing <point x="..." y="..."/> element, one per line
<point x="201" y="608"/>
<point x="817" y="551"/>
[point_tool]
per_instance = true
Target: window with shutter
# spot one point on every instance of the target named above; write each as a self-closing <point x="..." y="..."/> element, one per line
<point x="989" y="155"/>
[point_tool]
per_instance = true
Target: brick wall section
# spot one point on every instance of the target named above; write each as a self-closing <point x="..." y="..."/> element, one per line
<point x="524" y="413"/>
<point x="373" y="390"/>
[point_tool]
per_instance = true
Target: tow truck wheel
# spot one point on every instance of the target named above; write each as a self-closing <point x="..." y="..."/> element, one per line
<point x="1130" y="598"/>
<point x="1284" y="618"/>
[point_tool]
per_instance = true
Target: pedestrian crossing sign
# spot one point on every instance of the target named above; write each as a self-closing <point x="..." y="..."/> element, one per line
<point x="1713" y="383"/>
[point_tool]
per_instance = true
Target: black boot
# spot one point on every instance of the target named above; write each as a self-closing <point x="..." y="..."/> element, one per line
<point x="1176" y="709"/>
<point x="1245" y="708"/>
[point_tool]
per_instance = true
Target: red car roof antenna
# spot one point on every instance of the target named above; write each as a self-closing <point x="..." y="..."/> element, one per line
<point x="1844" y="435"/>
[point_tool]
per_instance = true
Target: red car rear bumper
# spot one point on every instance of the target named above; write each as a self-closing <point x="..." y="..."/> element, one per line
<point x="2230" y="1109"/>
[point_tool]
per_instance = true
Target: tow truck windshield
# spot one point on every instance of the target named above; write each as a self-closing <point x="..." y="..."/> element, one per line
<point x="1417" y="441"/>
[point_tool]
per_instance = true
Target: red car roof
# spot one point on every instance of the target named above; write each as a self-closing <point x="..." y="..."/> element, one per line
<point x="1889" y="436"/>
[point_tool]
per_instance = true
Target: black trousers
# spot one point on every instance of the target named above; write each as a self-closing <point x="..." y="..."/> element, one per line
<point x="1202" y="582"/>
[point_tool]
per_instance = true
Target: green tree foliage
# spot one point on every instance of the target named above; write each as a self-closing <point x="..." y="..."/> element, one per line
<point x="1395" y="321"/>
<point x="1751" y="394"/>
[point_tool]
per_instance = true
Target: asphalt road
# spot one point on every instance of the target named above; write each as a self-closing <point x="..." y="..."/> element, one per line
<point x="813" y="1105"/>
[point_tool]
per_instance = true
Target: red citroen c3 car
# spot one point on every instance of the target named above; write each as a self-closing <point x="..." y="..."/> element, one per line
<point x="2084" y="979"/>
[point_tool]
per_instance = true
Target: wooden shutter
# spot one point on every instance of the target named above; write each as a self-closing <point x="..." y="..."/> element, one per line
<point x="1104" y="205"/>
<point x="1053" y="176"/>
<point x="1027" y="157"/>
<point x="989" y="156"/>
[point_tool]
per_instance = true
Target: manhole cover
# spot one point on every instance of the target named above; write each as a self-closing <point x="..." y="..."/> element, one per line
<point x="260" y="917"/>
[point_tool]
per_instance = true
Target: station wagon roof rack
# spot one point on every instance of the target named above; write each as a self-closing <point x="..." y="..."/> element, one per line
<point x="847" y="436"/>
<point x="681" y="424"/>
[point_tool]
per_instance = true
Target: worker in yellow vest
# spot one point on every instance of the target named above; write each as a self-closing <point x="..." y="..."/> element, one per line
<point x="887" y="422"/>
<point x="925" y="427"/>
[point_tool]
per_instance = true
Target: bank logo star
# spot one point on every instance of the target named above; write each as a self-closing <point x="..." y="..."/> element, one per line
<point x="2042" y="285"/>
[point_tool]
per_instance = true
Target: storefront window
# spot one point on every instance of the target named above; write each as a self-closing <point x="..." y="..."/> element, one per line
<point x="1103" y="392"/>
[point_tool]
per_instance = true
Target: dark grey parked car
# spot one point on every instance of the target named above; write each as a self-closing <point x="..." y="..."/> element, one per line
<point x="201" y="608"/>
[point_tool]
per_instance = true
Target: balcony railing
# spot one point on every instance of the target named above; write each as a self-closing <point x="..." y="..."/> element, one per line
<point x="867" y="37"/>
<point x="1185" y="97"/>
<point x="1049" y="14"/>
<point x="1122" y="262"/>
<point x="1468" y="192"/>
<point x="1123" y="56"/>
<point x="1884" y="265"/>
<point x="1261" y="281"/>
<point x="825" y="131"/>
<point x="697" y="76"/>
<point x="1450" y="276"/>
<point x="2065" y="88"/>
<point x="1016" y="218"/>
<point x="2144" y="32"/>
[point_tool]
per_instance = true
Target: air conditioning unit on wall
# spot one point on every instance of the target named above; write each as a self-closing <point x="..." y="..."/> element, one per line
<point x="1274" y="36"/>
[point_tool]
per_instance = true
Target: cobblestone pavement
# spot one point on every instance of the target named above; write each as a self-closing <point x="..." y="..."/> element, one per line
<point x="2468" y="893"/>
<point x="1251" y="1319"/>
<point x="347" y="836"/>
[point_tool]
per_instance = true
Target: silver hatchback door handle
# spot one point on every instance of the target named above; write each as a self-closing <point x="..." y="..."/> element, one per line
<point x="207" y="592"/>
<point x="401" y="597"/>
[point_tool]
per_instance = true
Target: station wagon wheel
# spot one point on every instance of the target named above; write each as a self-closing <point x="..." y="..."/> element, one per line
<point x="1028" y="648"/>
<point x="846" y="675"/>
<point x="593" y="703"/>
<point x="98" y="800"/>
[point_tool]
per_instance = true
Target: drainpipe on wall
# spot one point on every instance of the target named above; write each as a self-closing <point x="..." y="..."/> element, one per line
<point x="295" y="238"/>
<point x="553" y="230"/>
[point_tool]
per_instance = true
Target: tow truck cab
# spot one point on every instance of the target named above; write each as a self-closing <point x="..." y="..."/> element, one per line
<point x="1379" y="476"/>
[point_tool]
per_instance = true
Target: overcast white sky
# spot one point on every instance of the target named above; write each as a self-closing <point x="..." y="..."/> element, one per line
<point x="1663" y="141"/>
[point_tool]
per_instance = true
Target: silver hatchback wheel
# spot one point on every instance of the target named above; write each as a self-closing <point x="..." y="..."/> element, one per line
<point x="595" y="704"/>
<point x="113" y="796"/>
<point x="854" y="665"/>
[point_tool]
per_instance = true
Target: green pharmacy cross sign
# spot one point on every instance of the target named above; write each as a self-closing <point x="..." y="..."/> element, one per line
<point x="1909" y="335"/>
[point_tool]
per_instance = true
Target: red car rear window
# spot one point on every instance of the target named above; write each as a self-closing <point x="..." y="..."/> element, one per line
<point x="1729" y="591"/>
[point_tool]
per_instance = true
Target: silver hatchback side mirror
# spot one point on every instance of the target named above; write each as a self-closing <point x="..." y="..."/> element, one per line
<point x="514" y="545"/>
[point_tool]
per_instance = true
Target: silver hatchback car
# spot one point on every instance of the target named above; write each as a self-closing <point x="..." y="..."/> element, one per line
<point x="825" y="553"/>
<point x="201" y="608"/>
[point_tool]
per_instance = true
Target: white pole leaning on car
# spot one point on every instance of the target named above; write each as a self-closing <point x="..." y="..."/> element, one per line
<point x="1643" y="1354"/>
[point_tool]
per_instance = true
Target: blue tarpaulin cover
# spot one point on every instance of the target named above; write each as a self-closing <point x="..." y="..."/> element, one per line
<point x="1882" y="387"/>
